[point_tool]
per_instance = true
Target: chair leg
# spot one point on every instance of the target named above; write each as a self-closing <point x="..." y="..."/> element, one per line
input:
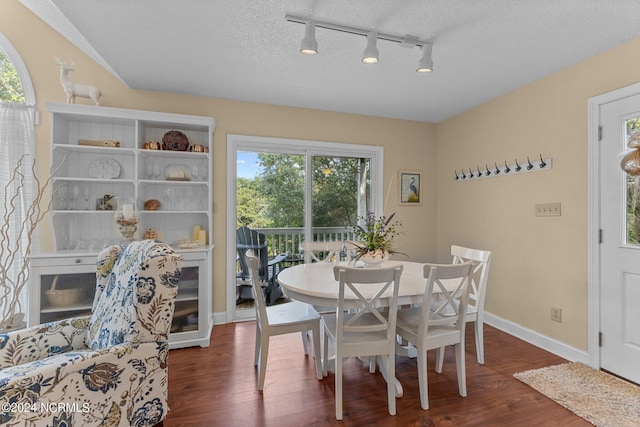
<point x="422" y="378"/>
<point x="305" y="342"/>
<point x="440" y="359"/>
<point x="325" y="356"/>
<point x="461" y="368"/>
<point x="262" y="368"/>
<point x="316" y="351"/>
<point x="256" y="356"/>
<point x="338" y="387"/>
<point x="480" y="341"/>
<point x="391" y="382"/>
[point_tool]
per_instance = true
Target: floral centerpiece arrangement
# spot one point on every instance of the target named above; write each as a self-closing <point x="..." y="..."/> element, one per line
<point x="375" y="238"/>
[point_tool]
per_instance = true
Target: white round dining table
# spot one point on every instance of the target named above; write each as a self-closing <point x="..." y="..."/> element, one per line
<point x="314" y="283"/>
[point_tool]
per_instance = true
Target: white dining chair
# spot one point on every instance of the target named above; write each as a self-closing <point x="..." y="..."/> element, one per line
<point x="427" y="328"/>
<point x="280" y="319"/>
<point x="329" y="252"/>
<point x="479" y="277"/>
<point x="321" y="251"/>
<point x="363" y="330"/>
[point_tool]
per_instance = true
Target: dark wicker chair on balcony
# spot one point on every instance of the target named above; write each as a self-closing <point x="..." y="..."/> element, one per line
<point x="247" y="239"/>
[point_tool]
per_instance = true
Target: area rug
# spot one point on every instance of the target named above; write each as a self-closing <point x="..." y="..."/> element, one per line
<point x="598" y="397"/>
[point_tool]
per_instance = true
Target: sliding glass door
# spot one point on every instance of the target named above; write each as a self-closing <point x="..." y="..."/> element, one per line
<point x="293" y="191"/>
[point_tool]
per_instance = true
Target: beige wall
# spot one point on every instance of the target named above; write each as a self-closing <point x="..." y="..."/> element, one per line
<point x="39" y="44"/>
<point x="537" y="262"/>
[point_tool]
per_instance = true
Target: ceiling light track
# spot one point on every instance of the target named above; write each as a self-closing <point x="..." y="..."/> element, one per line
<point x="358" y="31"/>
<point x="371" y="35"/>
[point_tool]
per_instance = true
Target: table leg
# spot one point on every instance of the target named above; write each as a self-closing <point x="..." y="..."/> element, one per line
<point x="383" y="370"/>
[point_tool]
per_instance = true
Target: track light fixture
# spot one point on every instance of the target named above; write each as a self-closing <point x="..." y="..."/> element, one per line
<point x="309" y="45"/>
<point x="425" y="65"/>
<point x="371" y="54"/>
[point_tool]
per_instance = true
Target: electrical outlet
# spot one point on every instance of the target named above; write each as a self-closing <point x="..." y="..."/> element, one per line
<point x="548" y="209"/>
<point x="556" y="314"/>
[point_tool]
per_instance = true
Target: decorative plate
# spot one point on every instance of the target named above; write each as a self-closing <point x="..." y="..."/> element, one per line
<point x="104" y="168"/>
<point x="175" y="140"/>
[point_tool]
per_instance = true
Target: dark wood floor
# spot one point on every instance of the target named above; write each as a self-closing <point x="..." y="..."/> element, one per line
<point x="216" y="386"/>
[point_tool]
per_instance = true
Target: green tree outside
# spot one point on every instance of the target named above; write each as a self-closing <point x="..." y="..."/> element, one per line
<point x="335" y="191"/>
<point x="250" y="204"/>
<point x="10" y="84"/>
<point x="282" y="186"/>
<point x="275" y="198"/>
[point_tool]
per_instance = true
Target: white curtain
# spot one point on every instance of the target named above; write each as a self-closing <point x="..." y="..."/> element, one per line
<point x="17" y="139"/>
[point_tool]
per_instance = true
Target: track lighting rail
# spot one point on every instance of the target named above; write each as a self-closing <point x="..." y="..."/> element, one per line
<point x="309" y="45"/>
<point x="408" y="40"/>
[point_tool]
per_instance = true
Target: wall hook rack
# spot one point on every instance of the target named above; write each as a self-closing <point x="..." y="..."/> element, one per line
<point x="508" y="169"/>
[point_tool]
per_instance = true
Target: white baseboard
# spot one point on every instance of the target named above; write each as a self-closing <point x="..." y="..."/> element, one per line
<point x="535" y="338"/>
<point x="220" y="318"/>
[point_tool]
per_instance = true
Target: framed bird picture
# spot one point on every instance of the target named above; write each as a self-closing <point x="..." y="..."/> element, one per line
<point x="410" y="183"/>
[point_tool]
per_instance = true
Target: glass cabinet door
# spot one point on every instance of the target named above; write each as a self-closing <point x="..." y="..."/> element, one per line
<point x="190" y="317"/>
<point x="185" y="315"/>
<point x="66" y="295"/>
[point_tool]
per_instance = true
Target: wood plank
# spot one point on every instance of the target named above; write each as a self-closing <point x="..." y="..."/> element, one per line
<point x="218" y="386"/>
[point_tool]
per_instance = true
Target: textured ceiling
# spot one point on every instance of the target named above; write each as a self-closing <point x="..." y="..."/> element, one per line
<point x="246" y="50"/>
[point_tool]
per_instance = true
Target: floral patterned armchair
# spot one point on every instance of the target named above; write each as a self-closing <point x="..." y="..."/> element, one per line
<point x="107" y="369"/>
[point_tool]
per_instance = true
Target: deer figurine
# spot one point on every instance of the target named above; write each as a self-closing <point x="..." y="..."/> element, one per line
<point x="74" y="89"/>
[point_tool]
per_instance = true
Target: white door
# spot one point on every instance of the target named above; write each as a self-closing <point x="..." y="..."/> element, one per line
<point x="620" y="248"/>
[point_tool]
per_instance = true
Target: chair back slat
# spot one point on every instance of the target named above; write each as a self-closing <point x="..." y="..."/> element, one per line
<point x="367" y="305"/>
<point x="368" y="286"/>
<point x="445" y="303"/>
<point x="321" y="251"/>
<point x="480" y="274"/>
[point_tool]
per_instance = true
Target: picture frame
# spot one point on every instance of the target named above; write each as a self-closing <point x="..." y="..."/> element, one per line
<point x="410" y="187"/>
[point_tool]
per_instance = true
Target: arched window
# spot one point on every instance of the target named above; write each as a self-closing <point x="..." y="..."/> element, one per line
<point x="11" y="68"/>
<point x="17" y="156"/>
<point x="10" y="84"/>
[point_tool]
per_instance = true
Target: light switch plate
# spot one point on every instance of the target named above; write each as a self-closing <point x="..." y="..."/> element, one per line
<point x="548" y="209"/>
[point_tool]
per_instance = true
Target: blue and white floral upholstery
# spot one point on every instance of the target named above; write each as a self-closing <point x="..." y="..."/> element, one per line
<point x="107" y="369"/>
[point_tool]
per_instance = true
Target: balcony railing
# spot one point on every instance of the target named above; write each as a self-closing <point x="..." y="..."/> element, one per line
<point x="287" y="240"/>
